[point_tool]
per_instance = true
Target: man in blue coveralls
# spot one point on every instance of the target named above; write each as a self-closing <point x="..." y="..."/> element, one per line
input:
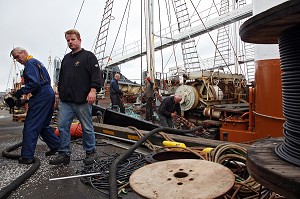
<point x="40" y="106"/>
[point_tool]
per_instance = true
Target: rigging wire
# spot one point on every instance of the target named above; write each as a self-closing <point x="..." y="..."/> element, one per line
<point x="178" y="23"/>
<point x="170" y="25"/>
<point x="194" y="13"/>
<point x="8" y="78"/>
<point x="126" y="34"/>
<point x="175" y="46"/>
<point x="141" y="46"/>
<point x="186" y="63"/>
<point x="76" y="20"/>
<point x="126" y="27"/>
<point x="79" y="13"/>
<point x="210" y="35"/>
<point x="227" y="34"/>
<point x="118" y="31"/>
<point x="210" y="9"/>
<point x="161" y="53"/>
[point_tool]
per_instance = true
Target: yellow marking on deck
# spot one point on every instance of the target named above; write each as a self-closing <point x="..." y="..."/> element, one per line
<point x="108" y="132"/>
<point x="133" y="137"/>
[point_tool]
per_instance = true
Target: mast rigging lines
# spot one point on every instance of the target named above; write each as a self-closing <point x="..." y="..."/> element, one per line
<point x="185" y="32"/>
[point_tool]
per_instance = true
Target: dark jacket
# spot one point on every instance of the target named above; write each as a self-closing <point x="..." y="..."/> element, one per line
<point x="114" y="87"/>
<point x="168" y="106"/>
<point x="78" y="74"/>
<point x="149" y="92"/>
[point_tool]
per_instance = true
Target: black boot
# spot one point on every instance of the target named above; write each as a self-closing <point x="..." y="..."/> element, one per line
<point x="25" y="160"/>
<point x="51" y="152"/>
<point x="90" y="158"/>
<point x="60" y="159"/>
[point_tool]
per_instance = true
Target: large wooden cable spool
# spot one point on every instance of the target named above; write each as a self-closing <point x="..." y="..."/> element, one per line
<point x="183" y="178"/>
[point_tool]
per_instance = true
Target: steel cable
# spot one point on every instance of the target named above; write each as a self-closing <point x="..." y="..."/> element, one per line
<point x="101" y="165"/>
<point x="234" y="157"/>
<point x="289" y="48"/>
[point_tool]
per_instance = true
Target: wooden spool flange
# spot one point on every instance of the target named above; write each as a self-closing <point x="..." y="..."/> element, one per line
<point x="183" y="178"/>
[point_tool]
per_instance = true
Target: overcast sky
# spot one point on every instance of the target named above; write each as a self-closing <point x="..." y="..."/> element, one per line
<point x="39" y="26"/>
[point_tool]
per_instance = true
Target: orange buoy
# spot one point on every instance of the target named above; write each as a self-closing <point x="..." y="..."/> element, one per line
<point x="75" y="130"/>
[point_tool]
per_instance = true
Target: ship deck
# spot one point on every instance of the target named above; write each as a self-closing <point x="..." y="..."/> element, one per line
<point x="39" y="185"/>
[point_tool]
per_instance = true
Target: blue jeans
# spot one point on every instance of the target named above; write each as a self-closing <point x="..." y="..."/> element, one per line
<point x="66" y="114"/>
<point x="165" y="121"/>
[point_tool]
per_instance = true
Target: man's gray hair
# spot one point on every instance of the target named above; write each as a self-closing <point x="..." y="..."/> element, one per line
<point x="17" y="49"/>
<point x="178" y="97"/>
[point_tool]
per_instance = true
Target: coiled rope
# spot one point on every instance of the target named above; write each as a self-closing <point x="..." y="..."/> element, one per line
<point x="234" y="157"/>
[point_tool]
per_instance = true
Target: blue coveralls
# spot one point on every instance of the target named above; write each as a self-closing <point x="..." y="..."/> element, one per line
<point x="40" y="108"/>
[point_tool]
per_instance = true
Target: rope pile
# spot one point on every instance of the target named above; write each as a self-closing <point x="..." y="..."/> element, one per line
<point x="234" y="157"/>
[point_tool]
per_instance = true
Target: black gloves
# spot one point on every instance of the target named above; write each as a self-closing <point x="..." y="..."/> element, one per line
<point x="17" y="94"/>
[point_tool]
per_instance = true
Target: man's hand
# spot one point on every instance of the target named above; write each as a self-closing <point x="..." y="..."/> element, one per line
<point x="17" y="94"/>
<point x="91" y="98"/>
<point x="173" y="114"/>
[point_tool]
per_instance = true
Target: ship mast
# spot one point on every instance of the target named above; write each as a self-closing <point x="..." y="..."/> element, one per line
<point x="149" y="38"/>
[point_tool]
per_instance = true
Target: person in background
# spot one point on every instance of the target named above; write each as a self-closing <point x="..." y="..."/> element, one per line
<point x="40" y="106"/>
<point x="168" y="109"/>
<point x="79" y="80"/>
<point x="116" y="94"/>
<point x="11" y="103"/>
<point x="149" y="94"/>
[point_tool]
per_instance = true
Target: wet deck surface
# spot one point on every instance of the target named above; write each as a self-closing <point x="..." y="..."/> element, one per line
<point x="38" y="185"/>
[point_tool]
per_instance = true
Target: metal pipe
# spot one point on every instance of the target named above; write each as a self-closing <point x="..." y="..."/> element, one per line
<point x="251" y="93"/>
<point x="76" y="176"/>
<point x="268" y="116"/>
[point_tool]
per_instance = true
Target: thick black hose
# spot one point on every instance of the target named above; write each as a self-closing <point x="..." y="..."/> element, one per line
<point x="289" y="48"/>
<point x="4" y="192"/>
<point x="113" y="187"/>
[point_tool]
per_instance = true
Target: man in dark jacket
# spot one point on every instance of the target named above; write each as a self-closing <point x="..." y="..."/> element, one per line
<point x="168" y="109"/>
<point x="79" y="80"/>
<point x="40" y="106"/>
<point x="116" y="93"/>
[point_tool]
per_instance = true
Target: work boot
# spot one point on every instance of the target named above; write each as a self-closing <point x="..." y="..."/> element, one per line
<point x="89" y="158"/>
<point x="51" y="152"/>
<point x="60" y="159"/>
<point x="25" y="160"/>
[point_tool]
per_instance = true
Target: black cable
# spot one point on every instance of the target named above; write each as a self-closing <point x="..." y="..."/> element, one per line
<point x="113" y="188"/>
<point x="21" y="179"/>
<point x="101" y="165"/>
<point x="289" y="48"/>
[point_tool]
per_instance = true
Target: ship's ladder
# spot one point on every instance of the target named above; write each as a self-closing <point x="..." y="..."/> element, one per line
<point x="249" y="61"/>
<point x="103" y="32"/>
<point x="222" y="52"/>
<point x="248" y="49"/>
<point x="189" y="51"/>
